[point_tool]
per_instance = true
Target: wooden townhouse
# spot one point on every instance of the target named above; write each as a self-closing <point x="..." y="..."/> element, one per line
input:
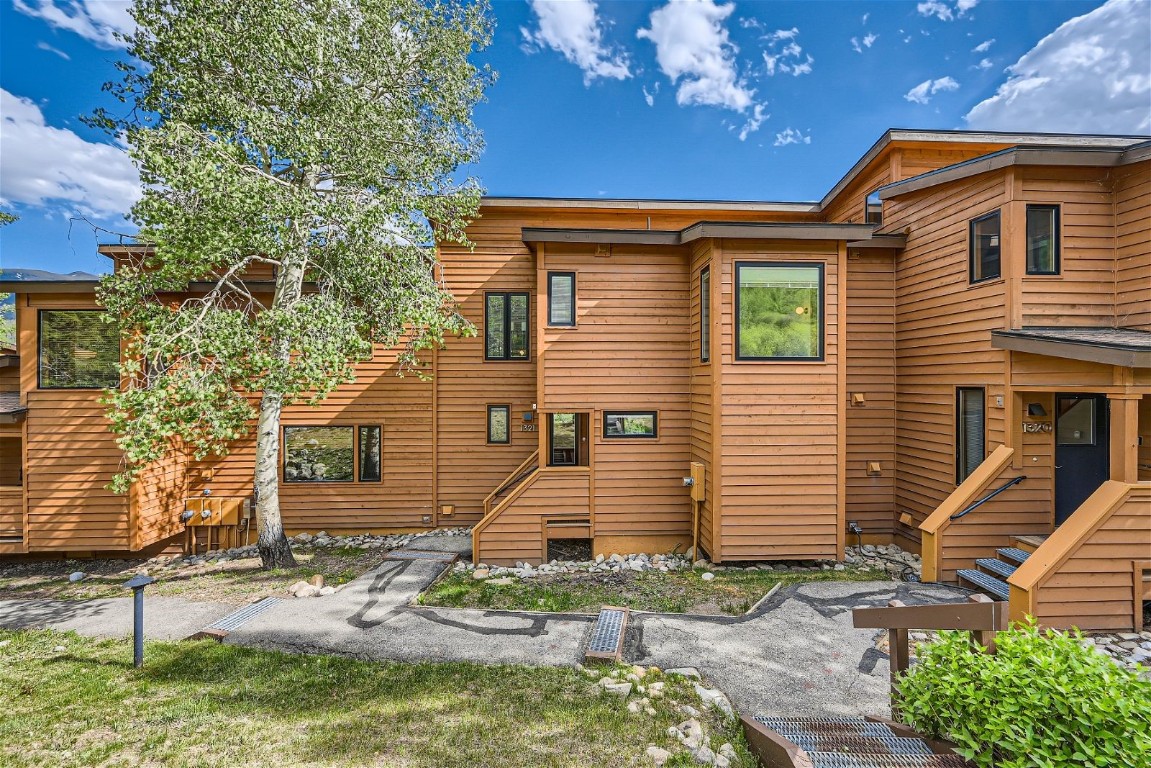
<point x="771" y="381"/>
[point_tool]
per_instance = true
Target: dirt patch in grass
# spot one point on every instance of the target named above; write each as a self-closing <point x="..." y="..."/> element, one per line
<point x="236" y="581"/>
<point x="730" y="593"/>
<point x="72" y="701"/>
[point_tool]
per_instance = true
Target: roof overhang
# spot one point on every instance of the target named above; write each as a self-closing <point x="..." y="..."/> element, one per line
<point x="854" y="233"/>
<point x="48" y="286"/>
<point x="1068" y="156"/>
<point x="1110" y="346"/>
<point x="651" y="205"/>
<point x="9" y="360"/>
<point x="14" y="416"/>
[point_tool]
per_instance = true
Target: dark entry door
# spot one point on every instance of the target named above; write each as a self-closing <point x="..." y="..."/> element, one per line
<point x="1082" y="450"/>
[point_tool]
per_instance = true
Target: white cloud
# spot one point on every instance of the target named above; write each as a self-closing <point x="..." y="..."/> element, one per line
<point x="752" y="125"/>
<point x="944" y="12"/>
<point x="42" y="164"/>
<point x="693" y="49"/>
<point x="45" y="47"/>
<point x="791" y="136"/>
<point x="95" y="20"/>
<point x="649" y="96"/>
<point x="573" y="29"/>
<point x="983" y="64"/>
<point x="963" y="6"/>
<point x="866" y="16"/>
<point x="984" y="46"/>
<point x="789" y="59"/>
<point x="921" y="94"/>
<point x="1092" y="74"/>
<point x="868" y="41"/>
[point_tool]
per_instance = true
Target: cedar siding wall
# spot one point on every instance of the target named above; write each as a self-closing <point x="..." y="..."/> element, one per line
<point x="780" y="428"/>
<point x="702" y="383"/>
<point x="628" y="351"/>
<point x="1083" y="293"/>
<point x="71" y="454"/>
<point x="871" y="427"/>
<point x="1093" y="587"/>
<point x="516" y="531"/>
<point x="1133" y="246"/>
<point x="933" y="293"/>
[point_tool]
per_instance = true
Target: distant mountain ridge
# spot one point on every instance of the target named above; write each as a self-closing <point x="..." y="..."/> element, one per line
<point x="18" y="275"/>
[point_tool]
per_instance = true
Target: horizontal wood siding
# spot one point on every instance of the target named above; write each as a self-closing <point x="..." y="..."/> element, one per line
<point x="1083" y="293"/>
<point x="871" y="427"/>
<point x="515" y="533"/>
<point x="702" y="383"/>
<point x="157" y="500"/>
<point x="628" y="351"/>
<point x="1093" y="588"/>
<point x="942" y="337"/>
<point x="11" y="512"/>
<point x="780" y="424"/>
<point x="1133" y="247"/>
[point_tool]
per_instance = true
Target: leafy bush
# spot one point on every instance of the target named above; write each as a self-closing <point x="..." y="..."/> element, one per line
<point x="1041" y="701"/>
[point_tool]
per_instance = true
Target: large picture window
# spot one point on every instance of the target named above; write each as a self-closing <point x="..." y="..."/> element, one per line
<point x="506" y="324"/>
<point x="780" y="311"/>
<point x="561" y="298"/>
<point x="705" y="315"/>
<point x="984" y="248"/>
<point x="624" y="424"/>
<point x="333" y="454"/>
<point x="970" y="430"/>
<point x="78" y="350"/>
<point x="1043" y="239"/>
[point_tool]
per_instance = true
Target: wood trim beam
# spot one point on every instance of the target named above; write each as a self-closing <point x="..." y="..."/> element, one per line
<point x="1072" y="350"/>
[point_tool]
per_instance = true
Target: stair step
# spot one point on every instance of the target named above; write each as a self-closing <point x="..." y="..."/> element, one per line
<point x="996" y="567"/>
<point x="1013" y="555"/>
<point x="861" y="745"/>
<point x="993" y="586"/>
<point x="1029" y="543"/>
<point x="841" y="760"/>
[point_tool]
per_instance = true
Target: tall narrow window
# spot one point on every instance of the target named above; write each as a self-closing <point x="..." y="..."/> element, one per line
<point x="1043" y="239"/>
<point x="561" y="298"/>
<point x="984" y="248"/>
<point x="78" y="350"/>
<point x="506" y="328"/>
<point x="563" y="439"/>
<point x="779" y="307"/>
<point x="498" y="419"/>
<point x="705" y="315"/>
<point x="970" y="429"/>
<point x="874" y="209"/>
<point x="370" y="450"/>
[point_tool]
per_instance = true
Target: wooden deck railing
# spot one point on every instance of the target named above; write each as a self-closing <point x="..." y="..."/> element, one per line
<point x="980" y="615"/>
<point x="519" y="479"/>
<point x="11" y="512"/>
<point x="510" y="480"/>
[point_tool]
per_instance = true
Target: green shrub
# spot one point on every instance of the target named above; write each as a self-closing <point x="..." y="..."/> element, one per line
<point x="1041" y="701"/>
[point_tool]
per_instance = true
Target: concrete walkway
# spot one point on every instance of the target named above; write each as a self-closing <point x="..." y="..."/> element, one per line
<point x="797" y="654"/>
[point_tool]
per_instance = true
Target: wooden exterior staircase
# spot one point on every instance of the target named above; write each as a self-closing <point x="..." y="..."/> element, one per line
<point x="990" y="575"/>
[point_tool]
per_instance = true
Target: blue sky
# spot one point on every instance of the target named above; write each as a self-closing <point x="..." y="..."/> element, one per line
<point x="698" y="100"/>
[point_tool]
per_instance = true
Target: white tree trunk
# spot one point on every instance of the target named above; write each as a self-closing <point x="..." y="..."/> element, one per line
<point x="275" y="551"/>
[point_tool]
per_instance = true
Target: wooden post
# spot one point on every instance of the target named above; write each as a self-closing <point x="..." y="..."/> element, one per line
<point x="984" y="637"/>
<point x="899" y="656"/>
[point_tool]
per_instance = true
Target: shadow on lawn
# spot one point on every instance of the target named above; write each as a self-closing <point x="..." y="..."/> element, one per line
<point x="37" y="614"/>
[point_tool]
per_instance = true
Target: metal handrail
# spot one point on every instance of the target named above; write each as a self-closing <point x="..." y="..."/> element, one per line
<point x="988" y="497"/>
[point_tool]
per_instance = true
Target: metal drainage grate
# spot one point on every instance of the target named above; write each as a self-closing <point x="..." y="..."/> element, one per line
<point x="412" y="554"/>
<point x="856" y="745"/>
<point x="839" y="760"/>
<point x="244" y="615"/>
<point x="788" y="727"/>
<point x="606" y="641"/>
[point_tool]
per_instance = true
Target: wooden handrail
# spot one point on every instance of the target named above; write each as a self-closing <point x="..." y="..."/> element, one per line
<point x="982" y="616"/>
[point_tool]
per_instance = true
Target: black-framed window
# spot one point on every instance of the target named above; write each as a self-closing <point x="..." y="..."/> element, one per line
<point x="630" y="424"/>
<point x="1043" y="239"/>
<point x="499" y="424"/>
<point x="333" y="454"/>
<point x="506" y="326"/>
<point x="561" y="298"/>
<point x="970" y="430"/>
<point x="563" y="439"/>
<point x="78" y="349"/>
<point x="873" y="209"/>
<point x="705" y="314"/>
<point x="780" y="311"/>
<point x="984" y="248"/>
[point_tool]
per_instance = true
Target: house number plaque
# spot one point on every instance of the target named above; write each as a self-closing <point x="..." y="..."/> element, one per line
<point x="527" y="426"/>
<point x="1036" y="426"/>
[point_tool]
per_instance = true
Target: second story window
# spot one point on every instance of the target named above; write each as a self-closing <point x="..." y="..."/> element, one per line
<point x="1043" y="239"/>
<point x="561" y="298"/>
<point x="984" y="248"/>
<point x="779" y="307"/>
<point x="506" y="335"/>
<point x="78" y="350"/>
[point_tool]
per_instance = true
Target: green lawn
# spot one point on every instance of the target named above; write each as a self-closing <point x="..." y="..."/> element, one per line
<point x="730" y="592"/>
<point x="197" y="704"/>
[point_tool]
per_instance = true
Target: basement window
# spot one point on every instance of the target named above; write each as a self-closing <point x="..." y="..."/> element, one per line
<point x="1043" y="239"/>
<point x="78" y="350"/>
<point x="984" y="248"/>
<point x="779" y="306"/>
<point x="627" y="424"/>
<point x="333" y="454"/>
<point x="506" y="326"/>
